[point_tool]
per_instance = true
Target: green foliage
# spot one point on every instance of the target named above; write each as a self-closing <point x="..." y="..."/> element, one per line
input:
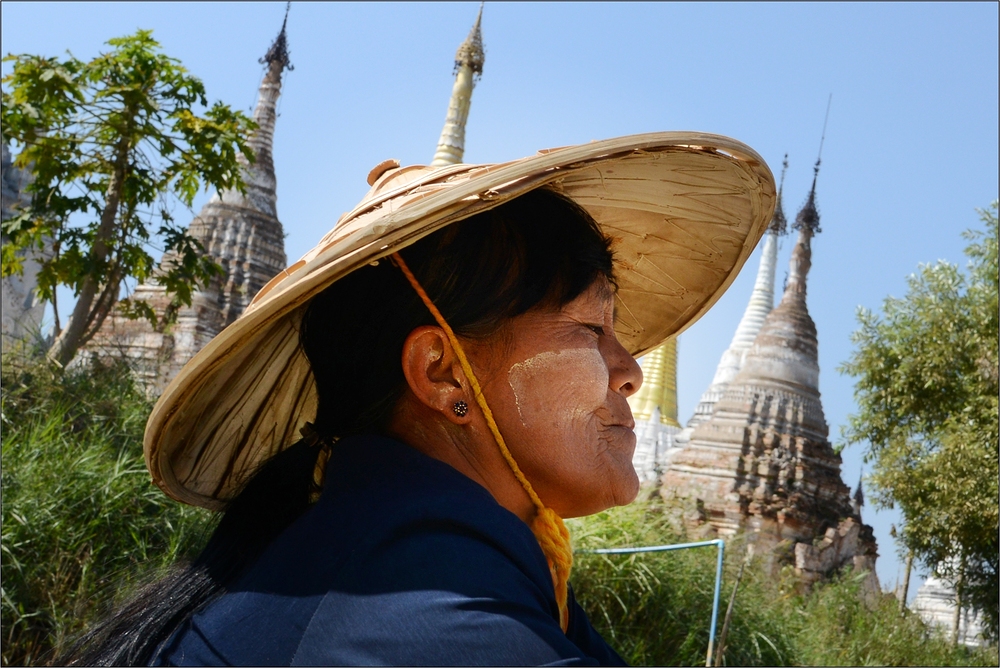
<point x="836" y="626"/>
<point x="82" y="523"/>
<point x="110" y="144"/>
<point x="655" y="609"/>
<point x="80" y="517"/>
<point x="926" y="391"/>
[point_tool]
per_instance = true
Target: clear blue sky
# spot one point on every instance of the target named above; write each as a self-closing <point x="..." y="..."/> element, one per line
<point x="911" y="147"/>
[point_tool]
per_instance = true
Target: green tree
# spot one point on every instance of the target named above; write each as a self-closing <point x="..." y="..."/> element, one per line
<point x="926" y="392"/>
<point x="111" y="145"/>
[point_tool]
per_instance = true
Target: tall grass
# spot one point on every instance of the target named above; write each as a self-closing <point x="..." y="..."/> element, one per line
<point x="655" y="608"/>
<point x="81" y="521"/>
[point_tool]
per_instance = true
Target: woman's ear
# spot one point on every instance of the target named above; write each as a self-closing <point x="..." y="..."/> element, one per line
<point x="434" y="374"/>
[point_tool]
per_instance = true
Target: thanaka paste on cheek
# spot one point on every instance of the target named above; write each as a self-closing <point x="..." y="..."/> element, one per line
<point x="559" y="388"/>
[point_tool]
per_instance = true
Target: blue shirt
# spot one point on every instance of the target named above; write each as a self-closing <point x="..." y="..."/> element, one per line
<point x="402" y="561"/>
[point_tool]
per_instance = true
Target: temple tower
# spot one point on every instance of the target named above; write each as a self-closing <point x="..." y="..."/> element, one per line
<point x="22" y="310"/>
<point x="762" y="462"/>
<point x="760" y="304"/>
<point x="240" y="231"/>
<point x="935" y="603"/>
<point x="469" y="60"/>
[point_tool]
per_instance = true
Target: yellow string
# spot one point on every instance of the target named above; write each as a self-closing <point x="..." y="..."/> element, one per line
<point x="549" y="529"/>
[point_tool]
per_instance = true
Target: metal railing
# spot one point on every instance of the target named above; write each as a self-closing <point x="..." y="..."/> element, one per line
<point x="683" y="546"/>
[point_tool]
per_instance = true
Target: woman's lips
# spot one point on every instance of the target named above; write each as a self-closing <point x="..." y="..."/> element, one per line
<point x="630" y="425"/>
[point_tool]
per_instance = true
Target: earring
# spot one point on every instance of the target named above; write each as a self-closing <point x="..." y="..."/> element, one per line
<point x="461" y="408"/>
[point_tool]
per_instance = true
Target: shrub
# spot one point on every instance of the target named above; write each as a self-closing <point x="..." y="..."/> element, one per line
<point x="835" y="626"/>
<point x="655" y="608"/>
<point x="81" y="521"/>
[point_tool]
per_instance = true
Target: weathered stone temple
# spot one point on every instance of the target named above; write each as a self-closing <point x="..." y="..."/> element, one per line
<point x="22" y="310"/>
<point x="239" y="231"/>
<point x="759" y="460"/>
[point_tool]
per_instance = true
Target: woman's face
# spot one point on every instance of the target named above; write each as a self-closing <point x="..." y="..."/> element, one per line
<point x="557" y="388"/>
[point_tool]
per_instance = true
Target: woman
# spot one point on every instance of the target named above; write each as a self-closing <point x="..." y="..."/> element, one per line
<point x="462" y="343"/>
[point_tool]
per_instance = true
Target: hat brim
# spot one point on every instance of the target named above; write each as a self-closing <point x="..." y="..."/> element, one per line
<point x="685" y="211"/>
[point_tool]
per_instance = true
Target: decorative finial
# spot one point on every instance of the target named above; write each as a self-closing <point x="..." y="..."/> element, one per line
<point x="808" y="217"/>
<point x="471" y="51"/>
<point x="778" y="223"/>
<point x="278" y="53"/>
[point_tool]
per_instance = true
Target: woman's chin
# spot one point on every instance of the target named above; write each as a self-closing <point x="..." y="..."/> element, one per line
<point x="622" y="491"/>
<point x="630" y="490"/>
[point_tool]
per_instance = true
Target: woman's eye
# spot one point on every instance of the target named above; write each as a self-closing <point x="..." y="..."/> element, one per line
<point x="596" y="329"/>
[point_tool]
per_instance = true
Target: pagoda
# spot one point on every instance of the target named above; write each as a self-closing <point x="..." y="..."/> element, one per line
<point x="935" y="603"/>
<point x="761" y="462"/>
<point x="239" y="231"/>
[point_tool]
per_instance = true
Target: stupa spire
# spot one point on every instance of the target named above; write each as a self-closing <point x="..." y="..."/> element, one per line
<point x="807" y="224"/>
<point x="261" y="185"/>
<point x="778" y="224"/>
<point x="785" y="349"/>
<point x="762" y="297"/>
<point x="469" y="60"/>
<point x="760" y="304"/>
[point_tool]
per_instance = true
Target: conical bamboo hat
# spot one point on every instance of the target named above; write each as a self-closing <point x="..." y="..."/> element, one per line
<point x="685" y="211"/>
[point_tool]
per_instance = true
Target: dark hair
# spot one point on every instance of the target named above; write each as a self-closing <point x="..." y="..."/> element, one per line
<point x="540" y="249"/>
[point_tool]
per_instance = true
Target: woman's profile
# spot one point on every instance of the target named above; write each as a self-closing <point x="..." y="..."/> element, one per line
<point x="396" y="426"/>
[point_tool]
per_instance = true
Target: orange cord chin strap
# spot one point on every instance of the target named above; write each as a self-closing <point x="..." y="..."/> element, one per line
<point x="548" y="527"/>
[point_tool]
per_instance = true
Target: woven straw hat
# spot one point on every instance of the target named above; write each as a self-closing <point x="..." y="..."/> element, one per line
<point x="685" y="210"/>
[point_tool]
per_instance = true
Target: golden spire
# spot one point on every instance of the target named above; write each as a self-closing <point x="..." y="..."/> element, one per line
<point x="469" y="60"/>
<point x="659" y="386"/>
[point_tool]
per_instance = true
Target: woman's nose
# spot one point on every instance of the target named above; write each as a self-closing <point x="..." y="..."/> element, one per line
<point x="624" y="373"/>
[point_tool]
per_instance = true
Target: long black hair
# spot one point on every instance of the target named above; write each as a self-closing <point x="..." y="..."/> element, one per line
<point x="540" y="249"/>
